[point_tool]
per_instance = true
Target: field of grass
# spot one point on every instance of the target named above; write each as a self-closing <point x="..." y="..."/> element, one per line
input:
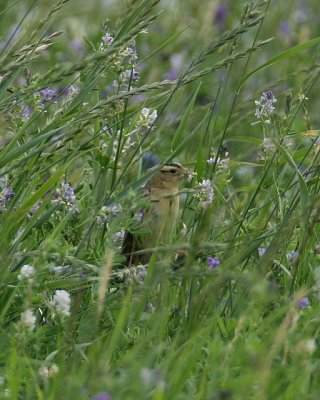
<point x="229" y="90"/>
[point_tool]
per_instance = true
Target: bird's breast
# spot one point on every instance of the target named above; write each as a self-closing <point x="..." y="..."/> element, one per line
<point x="162" y="217"/>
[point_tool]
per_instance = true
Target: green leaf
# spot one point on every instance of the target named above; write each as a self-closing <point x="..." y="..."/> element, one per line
<point x="248" y="139"/>
<point x="200" y="162"/>
<point x="304" y="196"/>
<point x="181" y="128"/>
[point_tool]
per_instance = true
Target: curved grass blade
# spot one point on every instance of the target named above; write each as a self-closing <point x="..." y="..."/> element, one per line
<point x="280" y="57"/>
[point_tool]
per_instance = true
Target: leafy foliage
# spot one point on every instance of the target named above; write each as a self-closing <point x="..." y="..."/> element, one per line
<point x="228" y="309"/>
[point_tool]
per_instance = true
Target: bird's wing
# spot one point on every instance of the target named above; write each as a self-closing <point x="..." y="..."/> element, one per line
<point x="131" y="242"/>
<point x="129" y="246"/>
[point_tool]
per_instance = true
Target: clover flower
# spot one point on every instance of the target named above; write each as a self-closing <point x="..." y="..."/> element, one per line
<point x="106" y="213"/>
<point x="107" y="38"/>
<point x="28" y="320"/>
<point x="106" y="41"/>
<point x="46" y="96"/>
<point x="304" y="302"/>
<point x="261" y="251"/>
<point x="204" y="193"/>
<point x="48" y="372"/>
<point x="126" y="143"/>
<point x="26" y="112"/>
<point x="267" y="149"/>
<point x="5" y="195"/>
<point x="71" y="91"/>
<point x="222" y="163"/>
<point x="213" y="262"/>
<point x="77" y="46"/>
<point x="60" y="269"/>
<point x="146" y="118"/>
<point x="221" y="13"/>
<point x="265" y="106"/>
<point x="61" y="303"/>
<point x="128" y="75"/>
<point x="130" y="55"/>
<point x="152" y="377"/>
<point x="118" y="237"/>
<point x="27" y="272"/>
<point x="292" y="254"/>
<point x="65" y="196"/>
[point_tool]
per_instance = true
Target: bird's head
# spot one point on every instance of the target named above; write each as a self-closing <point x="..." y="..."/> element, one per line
<point x="169" y="176"/>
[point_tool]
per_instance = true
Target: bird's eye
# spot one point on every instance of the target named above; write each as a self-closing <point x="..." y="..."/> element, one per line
<point x="173" y="171"/>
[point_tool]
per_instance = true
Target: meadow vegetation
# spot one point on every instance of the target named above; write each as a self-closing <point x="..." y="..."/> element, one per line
<point x="226" y="88"/>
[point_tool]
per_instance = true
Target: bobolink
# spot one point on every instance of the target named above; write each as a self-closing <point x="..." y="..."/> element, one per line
<point x="159" y="217"/>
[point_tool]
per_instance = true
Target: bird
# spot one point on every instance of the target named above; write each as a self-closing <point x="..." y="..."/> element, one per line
<point x="159" y="217"/>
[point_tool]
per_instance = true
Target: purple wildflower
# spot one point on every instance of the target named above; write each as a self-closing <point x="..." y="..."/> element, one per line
<point x="130" y="55"/>
<point x="47" y="95"/>
<point x="304" y="302"/>
<point x="139" y="216"/>
<point x="265" y="105"/>
<point x="26" y="112"/>
<point x="68" y="193"/>
<point x="77" y="46"/>
<point x="292" y="254"/>
<point x="176" y="65"/>
<point x="220" y="14"/>
<point x="213" y="262"/>
<point x="5" y="195"/>
<point x="129" y="75"/>
<point x="261" y="251"/>
<point x="107" y="38"/>
<point x="284" y="28"/>
<point x="65" y="196"/>
<point x="102" y="396"/>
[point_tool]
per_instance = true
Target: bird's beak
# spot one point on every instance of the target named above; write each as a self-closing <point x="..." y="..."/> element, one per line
<point x="188" y="174"/>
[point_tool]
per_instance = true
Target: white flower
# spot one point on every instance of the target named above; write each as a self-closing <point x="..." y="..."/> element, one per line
<point x="204" y="193"/>
<point x="309" y="346"/>
<point x="151" y="377"/>
<point x="268" y="146"/>
<point x="48" y="372"/>
<point x="43" y="371"/>
<point x="107" y="213"/>
<point x="27" y="272"/>
<point x="212" y="160"/>
<point x="28" y="320"/>
<point x="61" y="302"/>
<point x="221" y="163"/>
<point x="128" y="75"/>
<point x="59" y="269"/>
<point x="65" y="196"/>
<point x="119" y="235"/>
<point x="106" y="41"/>
<point x="147" y="118"/>
<point x="292" y="254"/>
<point x="53" y="370"/>
<point x="302" y="97"/>
<point x="265" y="106"/>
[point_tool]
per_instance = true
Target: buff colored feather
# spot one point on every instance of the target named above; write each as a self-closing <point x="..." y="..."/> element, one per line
<point x="159" y="218"/>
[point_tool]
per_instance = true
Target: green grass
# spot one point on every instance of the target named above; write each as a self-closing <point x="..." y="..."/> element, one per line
<point x="73" y="130"/>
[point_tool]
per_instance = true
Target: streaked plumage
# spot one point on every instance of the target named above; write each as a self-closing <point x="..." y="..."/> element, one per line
<point x="159" y="218"/>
